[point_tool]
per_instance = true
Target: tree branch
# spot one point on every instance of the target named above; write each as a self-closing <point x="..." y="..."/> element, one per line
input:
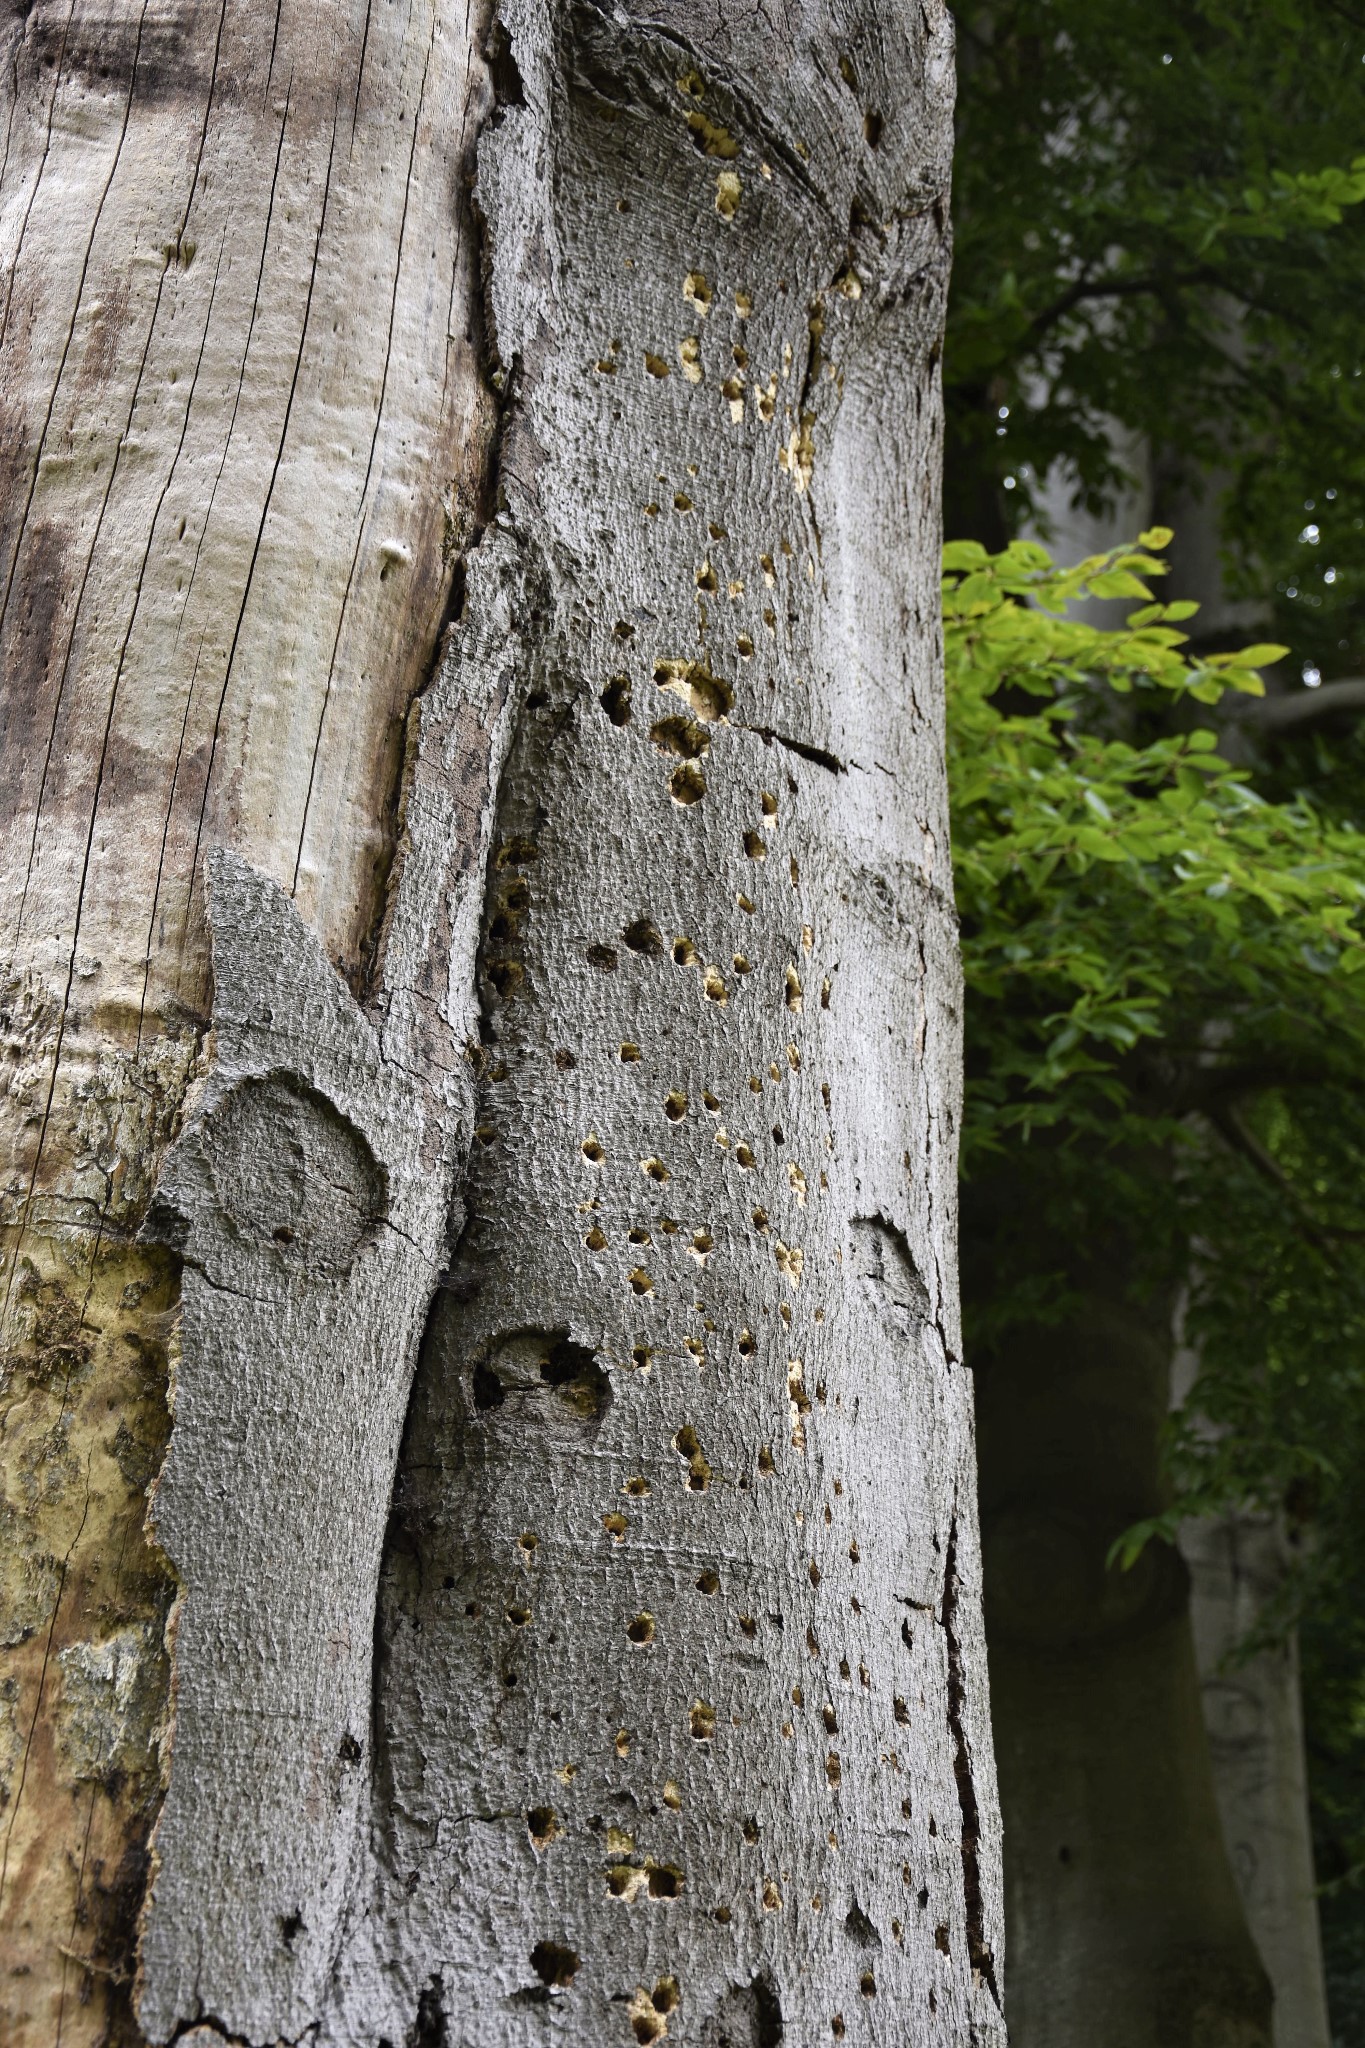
<point x="1297" y="710"/>
<point x="1239" y="1138"/>
<point x="1115" y="288"/>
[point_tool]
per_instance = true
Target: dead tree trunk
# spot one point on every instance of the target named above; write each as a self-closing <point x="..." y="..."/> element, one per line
<point x="588" y="971"/>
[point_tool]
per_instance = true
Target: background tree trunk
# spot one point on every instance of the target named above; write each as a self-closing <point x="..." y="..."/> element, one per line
<point x="1239" y="1564"/>
<point x="1125" y="1922"/>
<point x="1254" y="1716"/>
<point x="678" y="1721"/>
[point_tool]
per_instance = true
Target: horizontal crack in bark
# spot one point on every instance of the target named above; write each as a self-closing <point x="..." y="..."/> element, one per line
<point x="821" y="756"/>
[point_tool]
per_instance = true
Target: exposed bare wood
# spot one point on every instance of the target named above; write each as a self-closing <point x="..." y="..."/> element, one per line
<point x="243" y="437"/>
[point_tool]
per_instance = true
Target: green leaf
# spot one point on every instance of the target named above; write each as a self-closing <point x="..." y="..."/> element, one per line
<point x="1258" y="657"/>
<point x="964" y="554"/>
<point x="1117" y="583"/>
<point x="1127" y="1548"/>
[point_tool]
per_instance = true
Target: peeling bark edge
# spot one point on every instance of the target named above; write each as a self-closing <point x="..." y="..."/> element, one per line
<point x="311" y="1197"/>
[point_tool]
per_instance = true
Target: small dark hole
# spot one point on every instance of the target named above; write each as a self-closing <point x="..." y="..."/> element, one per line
<point x="554" y="1964"/>
<point x="566" y="1361"/>
<point x="291" y="1927"/>
<point x="860" y="1929"/>
<point x="489" y="1391"/>
<point x="284" y="1235"/>
<point x="504" y="975"/>
<point x="643" y="937"/>
<point x="349" y="1749"/>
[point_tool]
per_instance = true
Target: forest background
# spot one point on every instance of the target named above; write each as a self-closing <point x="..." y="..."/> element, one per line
<point x="1157" y="310"/>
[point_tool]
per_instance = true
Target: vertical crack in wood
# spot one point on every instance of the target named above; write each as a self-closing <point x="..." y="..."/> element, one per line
<point x="977" y="1946"/>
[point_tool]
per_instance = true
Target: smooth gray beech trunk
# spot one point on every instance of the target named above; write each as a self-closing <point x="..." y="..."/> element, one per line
<point x="1126" y="1926"/>
<point x="570" y="1495"/>
<point x="1239" y="1564"/>
<point x="1253" y="1712"/>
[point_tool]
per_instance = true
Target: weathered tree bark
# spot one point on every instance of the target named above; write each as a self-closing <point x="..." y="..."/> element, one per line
<point x="614" y="1007"/>
<point x="1125" y="1922"/>
<point x="242" y="432"/>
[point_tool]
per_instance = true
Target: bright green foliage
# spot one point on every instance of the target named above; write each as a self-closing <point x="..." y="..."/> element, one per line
<point x="1116" y="886"/>
<point x="1165" y="1045"/>
<point x="1159" y="241"/>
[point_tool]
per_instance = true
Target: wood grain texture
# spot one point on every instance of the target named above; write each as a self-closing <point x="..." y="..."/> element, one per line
<point x="244" y="434"/>
<point x="678" y="1724"/>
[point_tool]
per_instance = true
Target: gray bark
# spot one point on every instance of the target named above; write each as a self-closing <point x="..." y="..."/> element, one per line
<point x="1253" y="1711"/>
<point x="677" y="1724"/>
<point x="1254" y="1716"/>
<point x="1125" y="1924"/>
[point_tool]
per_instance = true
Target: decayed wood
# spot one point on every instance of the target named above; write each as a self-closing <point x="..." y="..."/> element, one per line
<point x="680" y="1715"/>
<point x="678" y="1725"/>
<point x="243" y="436"/>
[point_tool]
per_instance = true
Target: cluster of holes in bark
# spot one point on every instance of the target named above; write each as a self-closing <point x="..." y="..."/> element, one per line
<point x="616" y="703"/>
<point x="643" y="938"/>
<point x="649" y="2010"/>
<point x="566" y="1369"/>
